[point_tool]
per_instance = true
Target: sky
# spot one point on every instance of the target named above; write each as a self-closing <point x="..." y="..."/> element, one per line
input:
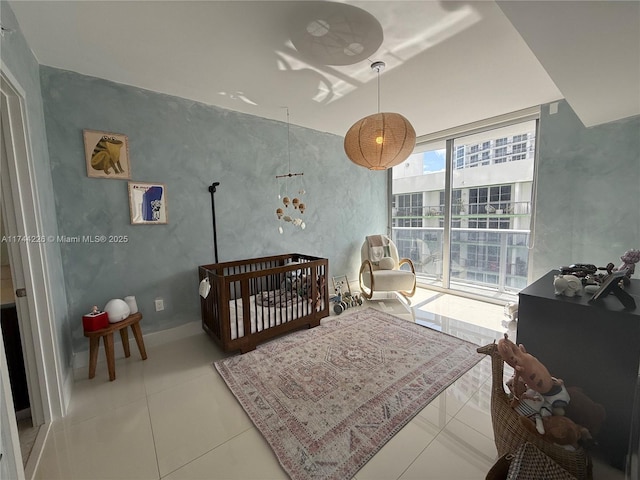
<point x="433" y="161"/>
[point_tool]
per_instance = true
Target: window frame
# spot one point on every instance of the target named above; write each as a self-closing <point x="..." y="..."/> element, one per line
<point x="457" y="157"/>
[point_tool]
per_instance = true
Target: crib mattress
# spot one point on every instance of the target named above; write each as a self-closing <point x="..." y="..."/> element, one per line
<point x="263" y="316"/>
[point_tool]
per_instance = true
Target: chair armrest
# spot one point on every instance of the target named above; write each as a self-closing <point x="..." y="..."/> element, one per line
<point x="408" y="262"/>
<point x="366" y="264"/>
<point x="413" y="270"/>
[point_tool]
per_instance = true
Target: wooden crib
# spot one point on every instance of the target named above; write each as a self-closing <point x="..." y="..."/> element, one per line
<point x="251" y="301"/>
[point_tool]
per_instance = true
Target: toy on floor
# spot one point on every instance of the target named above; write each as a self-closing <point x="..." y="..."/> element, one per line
<point x="343" y="300"/>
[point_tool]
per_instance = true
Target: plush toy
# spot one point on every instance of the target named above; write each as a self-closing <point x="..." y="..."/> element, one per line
<point x="629" y="260"/>
<point x="567" y="285"/>
<point x="321" y="284"/>
<point x="529" y="404"/>
<point x="560" y="430"/>
<point x="534" y="374"/>
<point x="584" y="411"/>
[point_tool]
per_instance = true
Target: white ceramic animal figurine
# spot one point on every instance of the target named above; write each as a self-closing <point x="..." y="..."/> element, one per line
<point x="567" y="285"/>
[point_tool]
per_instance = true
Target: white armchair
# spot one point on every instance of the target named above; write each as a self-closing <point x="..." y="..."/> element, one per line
<point x="380" y="270"/>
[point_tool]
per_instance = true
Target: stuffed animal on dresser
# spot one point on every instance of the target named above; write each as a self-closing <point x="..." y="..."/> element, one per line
<point x="567" y="285"/>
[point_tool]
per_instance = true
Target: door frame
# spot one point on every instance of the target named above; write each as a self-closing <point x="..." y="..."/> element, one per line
<point x="28" y="260"/>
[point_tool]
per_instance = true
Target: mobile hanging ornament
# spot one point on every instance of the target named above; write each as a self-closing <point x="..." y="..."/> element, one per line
<point x="290" y="205"/>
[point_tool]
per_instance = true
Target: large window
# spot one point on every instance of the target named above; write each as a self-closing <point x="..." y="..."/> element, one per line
<point x="407" y="210"/>
<point x="466" y="223"/>
<point x="484" y="202"/>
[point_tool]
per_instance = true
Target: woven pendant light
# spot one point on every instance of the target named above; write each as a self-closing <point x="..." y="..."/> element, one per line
<point x="382" y="140"/>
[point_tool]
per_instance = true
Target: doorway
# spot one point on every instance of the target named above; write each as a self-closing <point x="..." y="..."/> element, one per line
<point x="12" y="340"/>
<point x="20" y="209"/>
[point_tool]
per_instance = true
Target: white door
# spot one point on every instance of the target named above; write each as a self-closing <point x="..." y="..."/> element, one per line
<point x="21" y="209"/>
<point x="17" y="251"/>
<point x="10" y="454"/>
<point x="28" y="259"/>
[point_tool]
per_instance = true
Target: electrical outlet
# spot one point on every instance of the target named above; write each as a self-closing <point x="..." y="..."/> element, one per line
<point x="159" y="304"/>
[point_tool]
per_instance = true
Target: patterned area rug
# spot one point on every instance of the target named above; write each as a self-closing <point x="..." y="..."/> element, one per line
<point x="327" y="399"/>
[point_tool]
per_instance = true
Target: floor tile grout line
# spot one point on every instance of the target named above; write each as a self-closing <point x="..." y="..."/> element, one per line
<point x="424" y="449"/>
<point x="209" y="451"/>
<point x="465" y="404"/>
<point x="468" y="447"/>
<point x="422" y="303"/>
<point x="181" y="382"/>
<point x="153" y="436"/>
<point x="67" y="422"/>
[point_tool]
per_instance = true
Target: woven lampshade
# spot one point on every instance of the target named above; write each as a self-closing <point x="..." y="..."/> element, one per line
<point x="380" y="141"/>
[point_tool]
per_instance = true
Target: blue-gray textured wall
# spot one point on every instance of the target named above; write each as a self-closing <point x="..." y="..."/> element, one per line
<point x="186" y="146"/>
<point x="588" y="199"/>
<point x="22" y="66"/>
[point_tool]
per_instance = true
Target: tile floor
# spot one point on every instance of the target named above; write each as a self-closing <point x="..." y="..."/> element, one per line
<point x="171" y="417"/>
<point x="27" y="434"/>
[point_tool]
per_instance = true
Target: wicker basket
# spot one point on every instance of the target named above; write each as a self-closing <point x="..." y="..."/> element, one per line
<point x="510" y="434"/>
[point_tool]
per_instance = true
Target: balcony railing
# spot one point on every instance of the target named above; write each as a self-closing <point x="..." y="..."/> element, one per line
<point x="494" y="259"/>
<point x="461" y="209"/>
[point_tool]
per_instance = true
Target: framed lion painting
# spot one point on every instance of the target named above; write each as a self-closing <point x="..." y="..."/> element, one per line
<point x="107" y="155"/>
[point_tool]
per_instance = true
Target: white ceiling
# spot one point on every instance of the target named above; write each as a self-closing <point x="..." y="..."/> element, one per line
<point x="448" y="62"/>
<point x="590" y="49"/>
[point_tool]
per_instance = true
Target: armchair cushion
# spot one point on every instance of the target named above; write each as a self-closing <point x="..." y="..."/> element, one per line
<point x="387" y="263"/>
<point x="390" y="280"/>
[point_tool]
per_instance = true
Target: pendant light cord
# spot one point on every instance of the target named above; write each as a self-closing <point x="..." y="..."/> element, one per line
<point x="378" y="90"/>
<point x="378" y="66"/>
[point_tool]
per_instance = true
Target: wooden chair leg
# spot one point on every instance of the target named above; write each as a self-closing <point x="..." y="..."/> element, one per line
<point x="94" y="346"/>
<point x="124" y="336"/>
<point x="137" y="333"/>
<point x="111" y="361"/>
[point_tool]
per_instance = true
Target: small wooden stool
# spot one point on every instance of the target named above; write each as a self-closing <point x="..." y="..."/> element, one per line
<point x="132" y="320"/>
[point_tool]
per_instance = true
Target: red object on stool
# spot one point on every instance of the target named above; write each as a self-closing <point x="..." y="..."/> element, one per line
<point x="95" y="321"/>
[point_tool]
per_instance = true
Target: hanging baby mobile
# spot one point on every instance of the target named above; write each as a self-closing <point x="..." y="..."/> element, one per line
<point x="291" y="206"/>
